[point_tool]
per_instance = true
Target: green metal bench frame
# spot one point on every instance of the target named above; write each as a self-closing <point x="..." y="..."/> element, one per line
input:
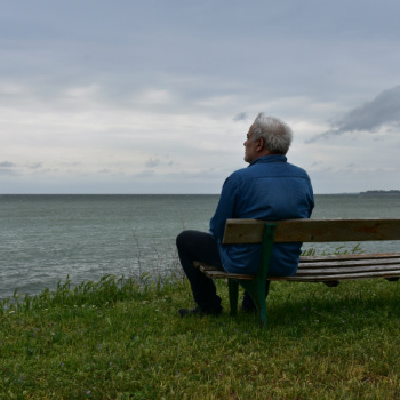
<point x="256" y="287"/>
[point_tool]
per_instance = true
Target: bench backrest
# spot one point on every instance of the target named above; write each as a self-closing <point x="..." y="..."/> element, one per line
<point x="313" y="230"/>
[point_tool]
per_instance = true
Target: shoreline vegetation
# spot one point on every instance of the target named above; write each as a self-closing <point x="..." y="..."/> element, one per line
<point x="380" y="193"/>
<point x="121" y="338"/>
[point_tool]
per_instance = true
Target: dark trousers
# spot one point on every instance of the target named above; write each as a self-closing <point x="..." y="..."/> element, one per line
<point x="200" y="246"/>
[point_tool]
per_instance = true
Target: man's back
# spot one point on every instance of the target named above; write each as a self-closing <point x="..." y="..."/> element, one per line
<point x="272" y="189"/>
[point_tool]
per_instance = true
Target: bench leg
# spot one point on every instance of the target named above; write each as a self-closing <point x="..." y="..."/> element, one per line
<point x="233" y="295"/>
<point x="256" y="289"/>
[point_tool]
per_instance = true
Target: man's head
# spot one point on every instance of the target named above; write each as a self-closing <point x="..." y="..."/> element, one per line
<point x="267" y="136"/>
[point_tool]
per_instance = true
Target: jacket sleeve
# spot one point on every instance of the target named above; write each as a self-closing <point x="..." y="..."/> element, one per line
<point x="311" y="196"/>
<point x="226" y="208"/>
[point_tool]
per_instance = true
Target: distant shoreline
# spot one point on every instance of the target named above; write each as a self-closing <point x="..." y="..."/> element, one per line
<point x="373" y="192"/>
<point x="74" y="195"/>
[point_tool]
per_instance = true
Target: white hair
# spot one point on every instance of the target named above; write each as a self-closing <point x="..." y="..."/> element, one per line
<point x="276" y="134"/>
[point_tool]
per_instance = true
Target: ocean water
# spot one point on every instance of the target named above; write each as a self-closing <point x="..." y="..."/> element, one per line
<point x="44" y="238"/>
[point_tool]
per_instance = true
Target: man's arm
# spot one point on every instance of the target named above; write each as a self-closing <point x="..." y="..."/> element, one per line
<point x="226" y="208"/>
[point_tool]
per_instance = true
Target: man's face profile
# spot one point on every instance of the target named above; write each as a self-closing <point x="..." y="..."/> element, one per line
<point x="250" y="146"/>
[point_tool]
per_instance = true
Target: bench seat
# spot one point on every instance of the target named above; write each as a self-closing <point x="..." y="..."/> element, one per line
<point x="328" y="269"/>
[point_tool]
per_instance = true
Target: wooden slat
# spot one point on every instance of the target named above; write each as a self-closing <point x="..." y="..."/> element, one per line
<point x="311" y="259"/>
<point x="222" y="275"/>
<point x="347" y="264"/>
<point x="340" y="277"/>
<point x="243" y="230"/>
<point x="204" y="267"/>
<point x="313" y="230"/>
<point x="310" y="230"/>
<point x="350" y="270"/>
<point x="345" y="267"/>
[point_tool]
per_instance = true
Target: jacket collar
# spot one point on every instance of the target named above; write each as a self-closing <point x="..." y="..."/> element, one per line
<point x="270" y="158"/>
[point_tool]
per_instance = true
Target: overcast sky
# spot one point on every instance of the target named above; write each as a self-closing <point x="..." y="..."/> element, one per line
<point x="157" y="96"/>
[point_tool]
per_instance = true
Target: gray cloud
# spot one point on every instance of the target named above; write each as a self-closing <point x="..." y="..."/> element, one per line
<point x="104" y="171"/>
<point x="6" y="164"/>
<point x="240" y="116"/>
<point x="7" y="168"/>
<point x="152" y="163"/>
<point x="36" y="165"/>
<point x="383" y="110"/>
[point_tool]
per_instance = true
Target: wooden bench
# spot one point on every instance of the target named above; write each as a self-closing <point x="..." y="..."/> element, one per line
<point x="327" y="269"/>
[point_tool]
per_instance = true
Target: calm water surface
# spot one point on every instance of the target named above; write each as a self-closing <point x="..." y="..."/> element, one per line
<point x="45" y="237"/>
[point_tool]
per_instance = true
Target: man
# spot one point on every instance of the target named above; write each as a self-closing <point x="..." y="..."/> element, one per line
<point x="269" y="188"/>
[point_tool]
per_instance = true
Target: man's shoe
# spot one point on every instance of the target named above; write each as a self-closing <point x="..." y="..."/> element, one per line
<point x="248" y="304"/>
<point x="198" y="311"/>
<point x="248" y="308"/>
<point x="195" y="311"/>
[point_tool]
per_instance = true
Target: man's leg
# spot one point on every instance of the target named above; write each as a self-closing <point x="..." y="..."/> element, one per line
<point x="200" y="246"/>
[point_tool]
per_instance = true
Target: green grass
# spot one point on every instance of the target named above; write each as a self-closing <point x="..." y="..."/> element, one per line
<point x="118" y="339"/>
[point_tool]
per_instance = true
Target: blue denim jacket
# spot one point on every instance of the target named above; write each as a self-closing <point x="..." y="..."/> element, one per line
<point x="269" y="188"/>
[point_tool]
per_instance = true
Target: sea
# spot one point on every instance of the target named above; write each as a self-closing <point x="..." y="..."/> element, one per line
<point x="46" y="238"/>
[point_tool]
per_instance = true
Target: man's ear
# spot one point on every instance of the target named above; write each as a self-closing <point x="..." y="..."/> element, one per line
<point x="260" y="144"/>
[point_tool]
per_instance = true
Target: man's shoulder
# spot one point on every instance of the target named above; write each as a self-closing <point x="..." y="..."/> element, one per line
<point x="240" y="171"/>
<point x="297" y="169"/>
<point x="239" y="174"/>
